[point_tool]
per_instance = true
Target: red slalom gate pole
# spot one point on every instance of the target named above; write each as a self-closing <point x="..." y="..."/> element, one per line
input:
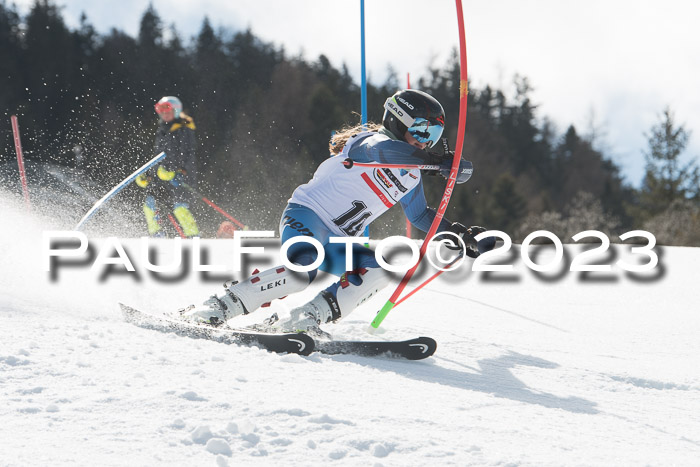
<point x="215" y="207"/>
<point x="20" y="160"/>
<point x="427" y="281"/>
<point x="223" y="213"/>
<point x="453" y="172"/>
<point x="177" y="226"/>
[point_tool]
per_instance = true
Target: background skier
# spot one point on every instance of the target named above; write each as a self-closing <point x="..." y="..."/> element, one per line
<point x="340" y="202"/>
<point x="164" y="185"/>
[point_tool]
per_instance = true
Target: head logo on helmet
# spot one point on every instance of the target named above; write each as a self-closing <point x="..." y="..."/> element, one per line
<point x="416" y="112"/>
<point x="169" y="103"/>
<point x="404" y="102"/>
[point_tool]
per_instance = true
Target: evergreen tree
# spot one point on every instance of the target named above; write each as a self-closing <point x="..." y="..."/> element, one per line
<point x="667" y="179"/>
<point x="484" y="105"/>
<point x="11" y="51"/>
<point x="264" y="120"/>
<point x="215" y="91"/>
<point x="12" y="94"/>
<point x="507" y="207"/>
<point x="518" y="126"/>
<point x="50" y="74"/>
<point x="150" y="29"/>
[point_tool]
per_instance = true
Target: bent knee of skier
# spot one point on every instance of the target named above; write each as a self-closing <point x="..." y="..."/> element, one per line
<point x="335" y="259"/>
<point x="303" y="254"/>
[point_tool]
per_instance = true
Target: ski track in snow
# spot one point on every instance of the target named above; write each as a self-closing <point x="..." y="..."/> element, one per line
<point x="528" y="371"/>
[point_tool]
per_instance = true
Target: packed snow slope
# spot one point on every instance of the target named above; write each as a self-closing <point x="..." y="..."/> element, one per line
<point x="562" y="368"/>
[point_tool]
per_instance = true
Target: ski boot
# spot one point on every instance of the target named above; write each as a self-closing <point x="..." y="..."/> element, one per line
<point x="308" y="318"/>
<point x="354" y="288"/>
<point x="216" y="310"/>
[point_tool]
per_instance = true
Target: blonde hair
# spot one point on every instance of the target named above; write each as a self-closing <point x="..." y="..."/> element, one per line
<point x="341" y="137"/>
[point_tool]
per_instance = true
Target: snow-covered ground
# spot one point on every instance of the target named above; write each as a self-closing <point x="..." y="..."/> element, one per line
<point x="564" y="369"/>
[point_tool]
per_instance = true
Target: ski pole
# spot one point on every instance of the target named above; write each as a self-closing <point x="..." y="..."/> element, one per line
<point x="349" y="163"/>
<point x="408" y="223"/>
<point x="214" y="206"/>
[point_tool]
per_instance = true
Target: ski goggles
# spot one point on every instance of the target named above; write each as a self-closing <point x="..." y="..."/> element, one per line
<point x="163" y="107"/>
<point x="425" y="131"/>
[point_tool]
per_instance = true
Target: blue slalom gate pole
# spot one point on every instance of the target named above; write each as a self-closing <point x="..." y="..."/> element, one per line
<point x="123" y="184"/>
<point x="363" y="79"/>
<point x="363" y="87"/>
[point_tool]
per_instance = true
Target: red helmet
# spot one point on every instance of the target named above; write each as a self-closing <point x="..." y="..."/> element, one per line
<point x="169" y="103"/>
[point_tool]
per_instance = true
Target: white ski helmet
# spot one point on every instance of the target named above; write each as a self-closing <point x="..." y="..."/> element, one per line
<point x="169" y="103"/>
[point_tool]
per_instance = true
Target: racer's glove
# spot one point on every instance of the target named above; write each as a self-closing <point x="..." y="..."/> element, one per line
<point x="143" y="180"/>
<point x="467" y="235"/>
<point x="464" y="171"/>
<point x="165" y="174"/>
<point x="175" y="177"/>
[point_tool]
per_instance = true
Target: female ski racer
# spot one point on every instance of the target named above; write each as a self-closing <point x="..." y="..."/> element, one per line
<point x="340" y="202"/>
<point x="175" y="136"/>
